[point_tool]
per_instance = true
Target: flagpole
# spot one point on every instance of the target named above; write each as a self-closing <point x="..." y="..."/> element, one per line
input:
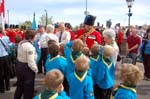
<point x="8" y="16"/>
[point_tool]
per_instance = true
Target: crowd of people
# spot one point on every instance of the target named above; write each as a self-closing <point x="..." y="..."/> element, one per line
<point x="76" y="64"/>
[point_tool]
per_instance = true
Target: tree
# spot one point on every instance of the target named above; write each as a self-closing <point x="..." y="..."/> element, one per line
<point x="42" y="20"/>
<point x="27" y="24"/>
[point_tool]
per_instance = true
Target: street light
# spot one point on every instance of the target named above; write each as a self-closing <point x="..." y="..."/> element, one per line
<point x="46" y="17"/>
<point x="86" y="12"/>
<point x="129" y="4"/>
<point x="8" y="16"/>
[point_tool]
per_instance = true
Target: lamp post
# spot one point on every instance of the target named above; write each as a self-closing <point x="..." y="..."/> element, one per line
<point x="86" y="12"/>
<point x="129" y="4"/>
<point x="8" y="16"/>
<point x="46" y="17"/>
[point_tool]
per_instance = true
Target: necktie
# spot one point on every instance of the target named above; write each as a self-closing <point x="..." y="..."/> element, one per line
<point x="60" y="37"/>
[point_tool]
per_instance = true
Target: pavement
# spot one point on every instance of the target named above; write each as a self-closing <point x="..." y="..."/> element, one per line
<point x="143" y="90"/>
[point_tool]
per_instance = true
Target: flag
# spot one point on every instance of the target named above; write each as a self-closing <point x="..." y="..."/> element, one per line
<point x="34" y="22"/>
<point x="2" y="7"/>
<point x="2" y="13"/>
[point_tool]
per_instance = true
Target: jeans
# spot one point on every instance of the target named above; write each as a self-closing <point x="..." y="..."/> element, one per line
<point x="133" y="56"/>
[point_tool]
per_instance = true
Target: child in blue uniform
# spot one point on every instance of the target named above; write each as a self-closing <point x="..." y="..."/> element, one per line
<point x="131" y="75"/>
<point x="80" y="83"/>
<point x="55" y="61"/>
<point x="54" y="88"/>
<point x="94" y="58"/>
<point x="104" y="74"/>
<point x="72" y="51"/>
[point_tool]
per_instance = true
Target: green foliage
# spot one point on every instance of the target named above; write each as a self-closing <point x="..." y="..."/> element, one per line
<point x="42" y="20"/>
<point x="26" y="23"/>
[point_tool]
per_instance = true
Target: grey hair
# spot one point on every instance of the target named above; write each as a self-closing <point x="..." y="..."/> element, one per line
<point x="50" y="28"/>
<point x="110" y="33"/>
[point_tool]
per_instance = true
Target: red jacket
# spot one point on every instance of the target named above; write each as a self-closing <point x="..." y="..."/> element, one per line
<point x="120" y="37"/>
<point x="11" y="34"/>
<point x="91" y="38"/>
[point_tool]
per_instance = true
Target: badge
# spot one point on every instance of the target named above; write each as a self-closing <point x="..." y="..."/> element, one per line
<point x="30" y="52"/>
<point x="92" y="94"/>
<point x="92" y="37"/>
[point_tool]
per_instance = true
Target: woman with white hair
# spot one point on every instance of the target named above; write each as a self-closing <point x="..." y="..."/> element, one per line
<point x="109" y="39"/>
<point x="50" y="31"/>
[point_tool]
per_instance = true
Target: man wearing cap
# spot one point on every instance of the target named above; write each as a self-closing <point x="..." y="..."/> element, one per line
<point x="12" y="34"/>
<point x="90" y="35"/>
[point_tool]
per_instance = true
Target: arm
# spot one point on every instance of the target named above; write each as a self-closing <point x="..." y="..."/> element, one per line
<point x="134" y="47"/>
<point x="66" y="38"/>
<point x="89" y="93"/>
<point x="31" y="59"/>
<point x="99" y="38"/>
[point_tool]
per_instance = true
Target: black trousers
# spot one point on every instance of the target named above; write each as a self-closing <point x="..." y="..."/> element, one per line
<point x="42" y="60"/>
<point x="4" y="74"/>
<point x="102" y="93"/>
<point x="146" y="63"/>
<point x="25" y="81"/>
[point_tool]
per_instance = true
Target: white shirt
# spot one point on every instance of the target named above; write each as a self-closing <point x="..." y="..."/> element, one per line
<point x="27" y="54"/>
<point x="65" y="38"/>
<point x="53" y="37"/>
<point x="116" y="52"/>
<point x="43" y="40"/>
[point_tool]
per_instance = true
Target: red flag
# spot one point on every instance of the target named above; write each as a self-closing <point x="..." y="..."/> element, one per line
<point x="2" y="8"/>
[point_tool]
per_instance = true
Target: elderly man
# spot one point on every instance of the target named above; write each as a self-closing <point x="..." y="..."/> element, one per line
<point x="109" y="39"/>
<point x="63" y="35"/>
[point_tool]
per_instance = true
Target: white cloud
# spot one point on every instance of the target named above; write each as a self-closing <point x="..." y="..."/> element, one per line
<point x="73" y="10"/>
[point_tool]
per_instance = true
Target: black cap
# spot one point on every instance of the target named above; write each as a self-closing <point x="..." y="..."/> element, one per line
<point x="17" y="26"/>
<point x="89" y="20"/>
<point x="11" y="26"/>
<point x="6" y="26"/>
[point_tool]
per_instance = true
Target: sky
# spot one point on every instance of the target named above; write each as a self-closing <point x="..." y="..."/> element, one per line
<point x="73" y="11"/>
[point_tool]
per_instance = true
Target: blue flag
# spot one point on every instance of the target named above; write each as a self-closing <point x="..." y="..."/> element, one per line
<point x="34" y="22"/>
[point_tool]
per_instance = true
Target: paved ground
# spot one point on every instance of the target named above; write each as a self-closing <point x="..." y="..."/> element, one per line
<point x="143" y="89"/>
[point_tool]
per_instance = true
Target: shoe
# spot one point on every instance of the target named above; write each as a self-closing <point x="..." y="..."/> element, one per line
<point x="146" y="78"/>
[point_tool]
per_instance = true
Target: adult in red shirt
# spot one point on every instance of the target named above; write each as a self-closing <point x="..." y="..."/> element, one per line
<point x="11" y="34"/>
<point x="19" y="32"/>
<point x="133" y="42"/>
<point x="89" y="35"/>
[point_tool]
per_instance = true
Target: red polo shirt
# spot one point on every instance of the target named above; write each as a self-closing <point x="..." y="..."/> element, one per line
<point x="132" y="41"/>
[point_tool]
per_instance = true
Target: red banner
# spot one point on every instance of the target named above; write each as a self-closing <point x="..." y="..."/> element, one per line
<point x="2" y="8"/>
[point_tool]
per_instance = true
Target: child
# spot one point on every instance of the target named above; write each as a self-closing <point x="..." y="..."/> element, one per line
<point x="95" y="56"/>
<point x="131" y="75"/>
<point x="104" y="78"/>
<point x="55" y="61"/>
<point x="80" y="83"/>
<point x="53" y="82"/>
<point x="72" y="51"/>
